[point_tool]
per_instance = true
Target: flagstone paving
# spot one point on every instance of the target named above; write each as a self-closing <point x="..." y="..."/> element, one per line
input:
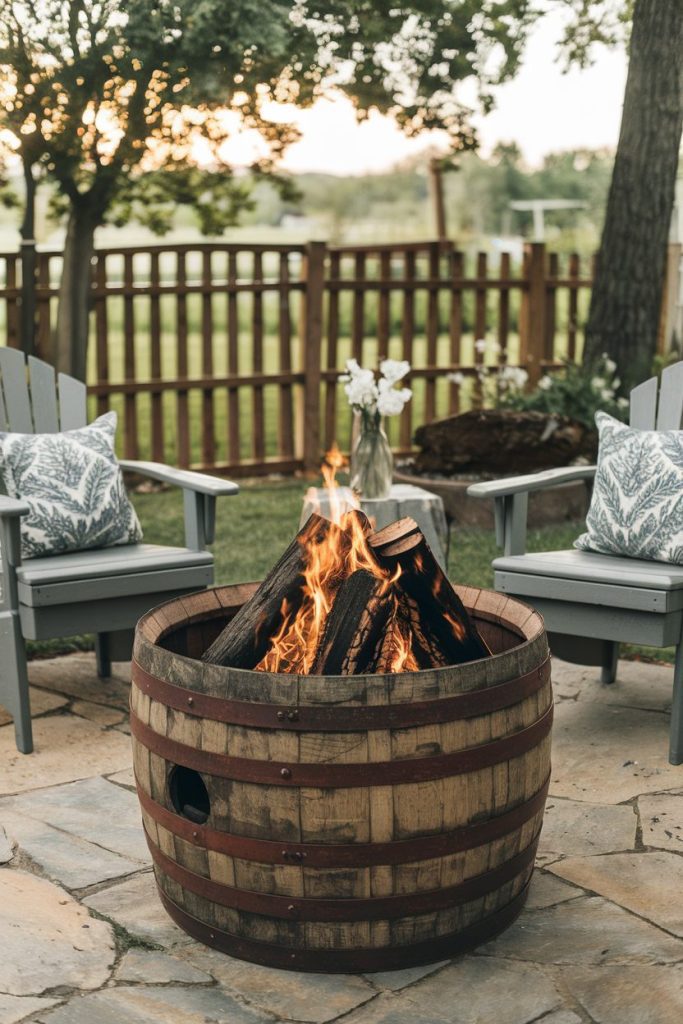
<point x="83" y="937"/>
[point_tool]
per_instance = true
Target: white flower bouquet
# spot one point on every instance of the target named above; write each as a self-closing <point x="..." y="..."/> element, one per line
<point x="372" y="398"/>
<point x="376" y="396"/>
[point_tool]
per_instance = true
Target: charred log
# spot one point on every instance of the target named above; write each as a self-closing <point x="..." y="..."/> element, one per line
<point x="246" y="638"/>
<point x="440" y="622"/>
<point x="355" y="625"/>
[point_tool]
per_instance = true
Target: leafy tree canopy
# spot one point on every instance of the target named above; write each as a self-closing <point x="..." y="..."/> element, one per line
<point x="115" y="100"/>
<point x="98" y="93"/>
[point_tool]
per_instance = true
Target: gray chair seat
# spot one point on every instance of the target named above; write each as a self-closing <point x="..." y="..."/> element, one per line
<point x="63" y="578"/>
<point x="593" y="579"/>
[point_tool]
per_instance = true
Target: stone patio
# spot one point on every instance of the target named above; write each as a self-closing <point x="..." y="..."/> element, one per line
<point x="84" y="938"/>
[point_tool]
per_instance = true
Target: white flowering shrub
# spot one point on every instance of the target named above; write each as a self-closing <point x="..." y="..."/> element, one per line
<point x="376" y="397"/>
<point x="495" y="381"/>
<point x="574" y="391"/>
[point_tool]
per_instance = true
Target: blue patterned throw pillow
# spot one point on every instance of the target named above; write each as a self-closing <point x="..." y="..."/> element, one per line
<point x="74" y="487"/>
<point x="637" y="505"/>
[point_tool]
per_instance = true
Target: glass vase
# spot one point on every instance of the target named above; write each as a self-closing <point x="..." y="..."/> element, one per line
<point x="372" y="464"/>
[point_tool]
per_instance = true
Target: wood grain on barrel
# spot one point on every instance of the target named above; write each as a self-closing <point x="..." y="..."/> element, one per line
<point x="168" y="642"/>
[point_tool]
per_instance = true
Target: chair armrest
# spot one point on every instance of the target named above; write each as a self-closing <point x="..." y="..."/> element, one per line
<point x="199" y="497"/>
<point x="202" y="483"/>
<point x="511" y="501"/>
<point x="11" y="507"/>
<point x="11" y="511"/>
<point x="530" y="482"/>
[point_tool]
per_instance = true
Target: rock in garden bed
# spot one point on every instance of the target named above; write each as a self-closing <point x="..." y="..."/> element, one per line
<point x="489" y="443"/>
<point x="500" y="442"/>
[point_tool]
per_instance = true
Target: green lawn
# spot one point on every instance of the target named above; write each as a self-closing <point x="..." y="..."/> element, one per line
<point x="254" y="528"/>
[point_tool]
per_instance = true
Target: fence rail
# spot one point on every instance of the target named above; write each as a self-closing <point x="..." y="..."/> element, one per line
<point x="227" y="357"/>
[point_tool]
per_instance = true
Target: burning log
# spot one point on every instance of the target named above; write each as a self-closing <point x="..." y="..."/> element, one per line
<point x="425" y="650"/>
<point x="355" y="521"/>
<point x="247" y="637"/>
<point x="396" y="651"/>
<point x="343" y="601"/>
<point x="440" y="625"/>
<point x="355" y="626"/>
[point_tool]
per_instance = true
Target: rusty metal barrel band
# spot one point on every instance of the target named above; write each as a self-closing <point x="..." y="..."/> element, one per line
<point x="340" y="855"/>
<point x="350" y="775"/>
<point x="374" y="908"/>
<point x="312" y="718"/>
<point x="348" y="960"/>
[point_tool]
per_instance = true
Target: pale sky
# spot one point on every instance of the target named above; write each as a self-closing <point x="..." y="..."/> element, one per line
<point x="542" y="109"/>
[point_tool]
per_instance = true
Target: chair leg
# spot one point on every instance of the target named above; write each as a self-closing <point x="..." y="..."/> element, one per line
<point x="609" y="662"/>
<point x="14" y="693"/>
<point x="102" y="655"/>
<point x="676" y="733"/>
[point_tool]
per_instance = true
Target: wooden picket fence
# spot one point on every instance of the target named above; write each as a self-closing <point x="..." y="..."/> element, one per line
<point x="226" y="357"/>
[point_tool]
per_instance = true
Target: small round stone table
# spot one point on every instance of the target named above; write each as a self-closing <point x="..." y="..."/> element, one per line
<point x="404" y="500"/>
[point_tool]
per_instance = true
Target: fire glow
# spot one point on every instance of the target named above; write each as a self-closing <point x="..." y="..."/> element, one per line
<point x="346" y="600"/>
<point x="328" y="561"/>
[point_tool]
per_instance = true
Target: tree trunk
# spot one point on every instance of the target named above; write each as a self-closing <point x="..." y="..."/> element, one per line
<point x="28" y="264"/>
<point x="627" y="295"/>
<point x="71" y="342"/>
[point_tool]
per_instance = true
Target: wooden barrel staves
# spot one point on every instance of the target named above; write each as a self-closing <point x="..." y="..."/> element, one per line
<point x="352" y="823"/>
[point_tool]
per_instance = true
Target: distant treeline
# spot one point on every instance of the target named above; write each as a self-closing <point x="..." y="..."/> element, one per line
<point x="477" y="193"/>
<point x="394" y="206"/>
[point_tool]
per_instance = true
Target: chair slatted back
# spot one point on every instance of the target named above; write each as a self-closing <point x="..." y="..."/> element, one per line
<point x="647" y="414"/>
<point x="670" y="412"/>
<point x="32" y="402"/>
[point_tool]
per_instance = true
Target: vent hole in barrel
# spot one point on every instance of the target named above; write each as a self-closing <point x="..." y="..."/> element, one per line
<point x="189" y="795"/>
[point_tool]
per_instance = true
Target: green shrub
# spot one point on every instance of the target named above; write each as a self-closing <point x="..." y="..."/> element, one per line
<point x="574" y="391"/>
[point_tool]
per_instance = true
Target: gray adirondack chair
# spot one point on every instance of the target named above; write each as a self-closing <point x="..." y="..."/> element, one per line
<point x="101" y="591"/>
<point x="592" y="602"/>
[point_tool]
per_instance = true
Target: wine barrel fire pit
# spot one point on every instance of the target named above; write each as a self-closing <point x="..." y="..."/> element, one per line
<point x="341" y="823"/>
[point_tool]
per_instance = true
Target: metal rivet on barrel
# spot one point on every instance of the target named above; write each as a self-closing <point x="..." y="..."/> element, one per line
<point x="195" y="834"/>
<point x="280" y="716"/>
<point x="293" y="855"/>
<point x="286" y="773"/>
<point x="293" y="715"/>
<point x="291" y="908"/>
<point x="190" y="701"/>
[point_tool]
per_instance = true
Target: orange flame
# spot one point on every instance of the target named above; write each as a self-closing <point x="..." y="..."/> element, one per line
<point x="339" y="500"/>
<point x="339" y="553"/>
<point x="404" y="660"/>
<point x="401" y="657"/>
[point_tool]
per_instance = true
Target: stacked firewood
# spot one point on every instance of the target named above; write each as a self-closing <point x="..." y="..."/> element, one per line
<point x="343" y="600"/>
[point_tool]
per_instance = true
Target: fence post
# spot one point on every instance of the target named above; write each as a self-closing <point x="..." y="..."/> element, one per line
<point x="532" y="341"/>
<point x="313" y="276"/>
<point x="44" y="346"/>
